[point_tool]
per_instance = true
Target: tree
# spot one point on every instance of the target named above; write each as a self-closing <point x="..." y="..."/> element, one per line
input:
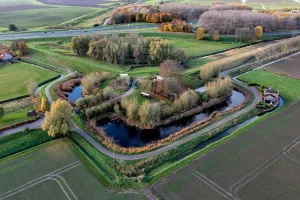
<point x="43" y="107"/>
<point x="258" y="32"/>
<point x="31" y="87"/>
<point x="23" y="49"/>
<point x="91" y="81"/>
<point x="169" y="68"/>
<point x="12" y="27"/>
<point x="219" y="87"/>
<point x="149" y="113"/>
<point x="130" y="104"/>
<point x="2" y="112"/>
<point x="215" y="35"/>
<point x="244" y="34"/>
<point x="172" y="86"/>
<point x="200" y="33"/>
<point x="59" y="120"/>
<point x="80" y="45"/>
<point x="208" y="72"/>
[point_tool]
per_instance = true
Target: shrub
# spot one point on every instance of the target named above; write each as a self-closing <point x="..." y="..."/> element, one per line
<point x="97" y="111"/>
<point x="219" y="87"/>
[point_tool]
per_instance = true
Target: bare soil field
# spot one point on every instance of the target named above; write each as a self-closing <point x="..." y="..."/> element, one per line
<point x="288" y="67"/>
<point x="261" y="163"/>
<point x="85" y="3"/>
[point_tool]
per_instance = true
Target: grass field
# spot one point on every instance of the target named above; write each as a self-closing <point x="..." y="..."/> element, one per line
<point x="14" y="117"/>
<point x="261" y="163"/>
<point x="288" y="87"/>
<point x="193" y="47"/>
<point x="52" y="171"/>
<point x="38" y="14"/>
<point x="14" y="78"/>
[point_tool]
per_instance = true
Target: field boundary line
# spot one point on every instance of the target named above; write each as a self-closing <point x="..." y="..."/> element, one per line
<point x="258" y="170"/>
<point x="61" y="186"/>
<point x="213" y="183"/>
<point x="38" y="180"/>
<point x="212" y="187"/>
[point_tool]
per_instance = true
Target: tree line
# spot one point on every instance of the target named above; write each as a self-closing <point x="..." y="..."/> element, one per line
<point x="132" y="48"/>
<point x="176" y="26"/>
<point x="226" y="22"/>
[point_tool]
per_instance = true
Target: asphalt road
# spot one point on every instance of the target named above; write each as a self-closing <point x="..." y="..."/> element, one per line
<point x="106" y="30"/>
<point x="92" y="31"/>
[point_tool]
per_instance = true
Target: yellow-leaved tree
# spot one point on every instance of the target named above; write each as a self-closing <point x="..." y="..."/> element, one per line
<point x="43" y="107"/>
<point x="200" y="33"/>
<point x="59" y="120"/>
<point x="258" y="32"/>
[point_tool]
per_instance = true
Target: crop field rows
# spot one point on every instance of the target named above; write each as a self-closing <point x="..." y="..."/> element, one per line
<point x="287" y="67"/>
<point x="262" y="163"/>
<point x="54" y="171"/>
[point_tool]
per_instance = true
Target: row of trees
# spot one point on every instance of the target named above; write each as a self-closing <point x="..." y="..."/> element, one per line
<point x="228" y="21"/>
<point x="167" y="12"/>
<point x="176" y="26"/>
<point x="247" y="34"/>
<point x="129" y="49"/>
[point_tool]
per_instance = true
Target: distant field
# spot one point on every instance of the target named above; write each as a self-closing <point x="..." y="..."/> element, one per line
<point x="31" y="13"/>
<point x="14" y="79"/>
<point x="261" y="163"/>
<point x="287" y="67"/>
<point x="85" y="3"/>
<point x="257" y="4"/>
<point x="53" y="171"/>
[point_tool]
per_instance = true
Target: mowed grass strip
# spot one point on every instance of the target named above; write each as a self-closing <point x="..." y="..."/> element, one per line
<point x="14" y="78"/>
<point x="59" y="154"/>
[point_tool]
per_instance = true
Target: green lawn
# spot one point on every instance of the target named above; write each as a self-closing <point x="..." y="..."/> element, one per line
<point x="14" y="78"/>
<point x="288" y="87"/>
<point x="193" y="47"/>
<point x="65" y="59"/>
<point x="45" y="15"/>
<point x="62" y="158"/>
<point x="14" y="117"/>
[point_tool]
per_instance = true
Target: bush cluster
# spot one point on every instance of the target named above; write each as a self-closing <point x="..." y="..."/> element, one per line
<point x="129" y="49"/>
<point x="176" y="26"/>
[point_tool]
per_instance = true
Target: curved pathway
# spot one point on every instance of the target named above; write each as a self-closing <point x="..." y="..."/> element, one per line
<point x="162" y="149"/>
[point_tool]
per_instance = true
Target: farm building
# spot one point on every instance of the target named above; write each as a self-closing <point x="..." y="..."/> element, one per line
<point x="5" y="57"/>
<point x="271" y="96"/>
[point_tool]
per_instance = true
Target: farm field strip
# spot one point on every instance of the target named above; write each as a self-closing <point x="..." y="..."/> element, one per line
<point x="54" y="175"/>
<point x="253" y="158"/>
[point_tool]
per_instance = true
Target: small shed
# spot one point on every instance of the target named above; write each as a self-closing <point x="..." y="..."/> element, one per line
<point x="5" y="57"/>
<point x="201" y="90"/>
<point x="31" y="113"/>
<point x="144" y="94"/>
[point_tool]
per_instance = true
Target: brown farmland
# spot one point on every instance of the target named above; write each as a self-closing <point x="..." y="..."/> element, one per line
<point x="261" y="163"/>
<point x="288" y="67"/>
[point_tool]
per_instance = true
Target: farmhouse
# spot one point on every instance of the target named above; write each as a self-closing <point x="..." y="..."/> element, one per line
<point x="271" y="96"/>
<point x="5" y="57"/>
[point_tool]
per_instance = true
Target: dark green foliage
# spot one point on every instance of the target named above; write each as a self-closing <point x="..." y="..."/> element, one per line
<point x="21" y="141"/>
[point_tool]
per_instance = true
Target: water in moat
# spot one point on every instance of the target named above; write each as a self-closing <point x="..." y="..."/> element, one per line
<point x="75" y="94"/>
<point x="129" y="136"/>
